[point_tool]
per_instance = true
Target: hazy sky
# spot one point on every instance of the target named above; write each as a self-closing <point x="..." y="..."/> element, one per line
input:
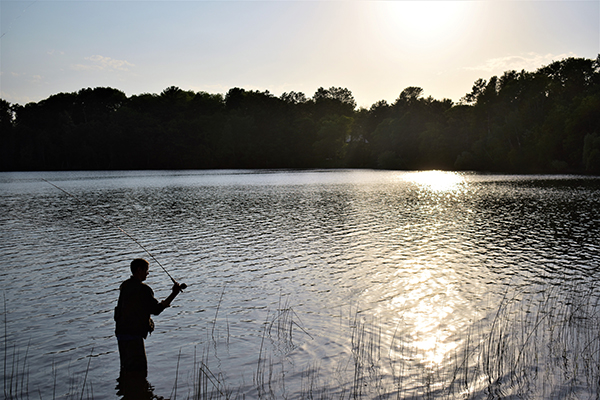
<point x="374" y="48"/>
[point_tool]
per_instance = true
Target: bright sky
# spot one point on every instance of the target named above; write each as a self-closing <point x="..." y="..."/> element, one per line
<point x="374" y="48"/>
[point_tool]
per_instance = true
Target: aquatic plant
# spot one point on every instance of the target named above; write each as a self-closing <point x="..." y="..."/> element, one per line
<point x="543" y="343"/>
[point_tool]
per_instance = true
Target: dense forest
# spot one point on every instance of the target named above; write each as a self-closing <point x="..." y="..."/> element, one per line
<point x="547" y="121"/>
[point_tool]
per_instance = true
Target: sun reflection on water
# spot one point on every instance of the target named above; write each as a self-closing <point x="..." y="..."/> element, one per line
<point x="439" y="181"/>
<point x="423" y="300"/>
<point x="421" y="295"/>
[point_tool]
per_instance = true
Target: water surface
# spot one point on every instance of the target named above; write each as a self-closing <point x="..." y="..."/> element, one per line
<point x="285" y="270"/>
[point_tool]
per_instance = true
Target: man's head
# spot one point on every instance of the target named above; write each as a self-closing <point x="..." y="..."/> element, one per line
<point x="139" y="268"/>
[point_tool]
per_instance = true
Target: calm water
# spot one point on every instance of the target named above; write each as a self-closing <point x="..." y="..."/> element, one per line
<point x="302" y="281"/>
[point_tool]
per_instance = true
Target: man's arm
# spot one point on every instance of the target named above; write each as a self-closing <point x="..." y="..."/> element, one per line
<point x="176" y="290"/>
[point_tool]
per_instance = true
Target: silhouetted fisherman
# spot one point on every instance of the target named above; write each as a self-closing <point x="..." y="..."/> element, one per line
<point x="132" y="315"/>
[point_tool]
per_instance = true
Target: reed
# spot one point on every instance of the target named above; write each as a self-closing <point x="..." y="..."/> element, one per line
<point x="552" y="348"/>
<point x="543" y="344"/>
<point x="538" y="344"/>
<point x="15" y="373"/>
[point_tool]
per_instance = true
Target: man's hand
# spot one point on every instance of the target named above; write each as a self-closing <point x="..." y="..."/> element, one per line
<point x="177" y="288"/>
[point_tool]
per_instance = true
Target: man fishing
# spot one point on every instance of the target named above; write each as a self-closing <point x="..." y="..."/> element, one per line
<point x="132" y="316"/>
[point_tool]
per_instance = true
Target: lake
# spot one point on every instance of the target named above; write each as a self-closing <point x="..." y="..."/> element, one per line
<point x="301" y="284"/>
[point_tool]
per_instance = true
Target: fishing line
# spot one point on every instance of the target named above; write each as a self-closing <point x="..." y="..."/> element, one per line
<point x="98" y="213"/>
<point x="16" y="18"/>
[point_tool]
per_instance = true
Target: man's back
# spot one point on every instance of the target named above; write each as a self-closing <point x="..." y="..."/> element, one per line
<point x="136" y="303"/>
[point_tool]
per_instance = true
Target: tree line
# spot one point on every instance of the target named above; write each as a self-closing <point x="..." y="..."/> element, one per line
<point x="547" y="121"/>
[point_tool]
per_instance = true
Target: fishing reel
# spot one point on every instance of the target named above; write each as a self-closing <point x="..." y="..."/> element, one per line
<point x="182" y="286"/>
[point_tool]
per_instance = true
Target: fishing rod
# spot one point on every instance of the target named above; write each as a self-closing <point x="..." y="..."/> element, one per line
<point x="183" y="285"/>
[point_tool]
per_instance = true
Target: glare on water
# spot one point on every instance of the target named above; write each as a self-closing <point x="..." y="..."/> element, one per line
<point x="424" y="304"/>
<point x="437" y="181"/>
<point x="424" y="293"/>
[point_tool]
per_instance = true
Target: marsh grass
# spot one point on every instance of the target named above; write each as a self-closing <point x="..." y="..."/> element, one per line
<point x="549" y="347"/>
<point x="16" y="385"/>
<point x="539" y="344"/>
<point x="15" y="372"/>
<point x="543" y="343"/>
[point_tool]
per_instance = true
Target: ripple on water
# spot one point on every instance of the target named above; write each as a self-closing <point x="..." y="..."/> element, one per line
<point x="291" y="268"/>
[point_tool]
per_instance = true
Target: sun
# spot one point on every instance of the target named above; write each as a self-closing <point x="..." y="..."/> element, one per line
<point x="423" y="23"/>
<point x="426" y="17"/>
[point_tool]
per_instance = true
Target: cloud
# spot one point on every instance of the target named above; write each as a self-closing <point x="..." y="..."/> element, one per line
<point x="528" y="62"/>
<point x="24" y="76"/>
<point x="100" y="63"/>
